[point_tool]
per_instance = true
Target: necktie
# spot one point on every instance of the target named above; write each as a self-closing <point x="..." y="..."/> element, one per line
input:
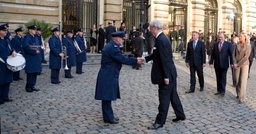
<point x="194" y="45"/>
<point x="220" y="47"/>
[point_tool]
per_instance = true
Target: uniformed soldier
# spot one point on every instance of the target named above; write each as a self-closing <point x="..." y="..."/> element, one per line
<point x="80" y="57"/>
<point x="107" y="87"/>
<point x="55" y="55"/>
<point x="33" y="58"/>
<point x="5" y="74"/>
<point x="71" y="52"/>
<point x="41" y="43"/>
<point x="174" y="37"/>
<point x="8" y="35"/>
<point x="182" y="35"/>
<point x="16" y="43"/>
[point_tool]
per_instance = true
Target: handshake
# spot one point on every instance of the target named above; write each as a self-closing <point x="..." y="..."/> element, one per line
<point x="140" y="60"/>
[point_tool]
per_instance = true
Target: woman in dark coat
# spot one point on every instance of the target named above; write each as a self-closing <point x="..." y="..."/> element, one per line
<point x="101" y="38"/>
<point x="93" y="33"/>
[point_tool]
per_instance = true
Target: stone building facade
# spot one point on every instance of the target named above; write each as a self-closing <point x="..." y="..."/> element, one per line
<point x="230" y="15"/>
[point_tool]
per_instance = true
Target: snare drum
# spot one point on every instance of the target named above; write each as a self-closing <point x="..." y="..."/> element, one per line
<point x="16" y="63"/>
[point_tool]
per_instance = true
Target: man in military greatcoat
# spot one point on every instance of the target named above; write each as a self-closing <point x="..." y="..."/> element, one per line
<point x="41" y="43"/>
<point x="33" y="58"/>
<point x="5" y="74"/>
<point x="81" y="56"/>
<point x="16" y="43"/>
<point x="68" y="42"/>
<point x="107" y="87"/>
<point x="56" y="55"/>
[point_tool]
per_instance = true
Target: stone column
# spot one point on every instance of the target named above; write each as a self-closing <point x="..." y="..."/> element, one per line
<point x="113" y="11"/>
<point x="227" y="20"/>
<point x="161" y="11"/>
<point x="197" y="13"/>
<point x="101" y="12"/>
<point x="251" y="16"/>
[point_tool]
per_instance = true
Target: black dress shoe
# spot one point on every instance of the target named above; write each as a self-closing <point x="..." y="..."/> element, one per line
<point x="16" y="79"/>
<point x="218" y="93"/>
<point x="20" y="79"/>
<point x="55" y="82"/>
<point x="201" y="89"/>
<point x="117" y="119"/>
<point x="178" y="119"/>
<point x="1" y="102"/>
<point x="78" y="73"/>
<point x="35" y="89"/>
<point x="29" y="90"/>
<point x="9" y="100"/>
<point x="155" y="126"/>
<point x="189" y="91"/>
<point x="111" y="122"/>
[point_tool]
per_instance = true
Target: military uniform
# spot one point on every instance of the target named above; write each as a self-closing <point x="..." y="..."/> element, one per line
<point x="80" y="57"/>
<point x="174" y="36"/>
<point x="5" y="74"/>
<point x="182" y="35"/>
<point x="55" y="58"/>
<point x="71" y="53"/>
<point x="16" y="43"/>
<point x="107" y="87"/>
<point x="33" y="60"/>
<point x="8" y="35"/>
<point x="41" y="41"/>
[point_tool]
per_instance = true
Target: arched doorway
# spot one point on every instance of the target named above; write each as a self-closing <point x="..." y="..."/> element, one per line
<point x="177" y="18"/>
<point x="237" y="16"/>
<point x="210" y="18"/>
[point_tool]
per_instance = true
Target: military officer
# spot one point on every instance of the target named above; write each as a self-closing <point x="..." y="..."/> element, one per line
<point x="5" y="74"/>
<point x="16" y="43"/>
<point x="81" y="56"/>
<point x="33" y="58"/>
<point x="71" y="52"/>
<point x="174" y="37"/>
<point x="107" y="87"/>
<point x="8" y="35"/>
<point x="55" y="55"/>
<point x="41" y="43"/>
<point x="182" y="35"/>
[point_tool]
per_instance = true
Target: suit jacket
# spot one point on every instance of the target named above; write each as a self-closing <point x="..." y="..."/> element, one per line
<point x="163" y="65"/>
<point x="196" y="57"/>
<point x="109" y="30"/>
<point x="107" y="86"/>
<point x="138" y="44"/>
<point x="241" y="54"/>
<point x="220" y="59"/>
<point x="253" y="50"/>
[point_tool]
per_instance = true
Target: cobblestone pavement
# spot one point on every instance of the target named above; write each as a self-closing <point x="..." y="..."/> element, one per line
<point x="70" y="106"/>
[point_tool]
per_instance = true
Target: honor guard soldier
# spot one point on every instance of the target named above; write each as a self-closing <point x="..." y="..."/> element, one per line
<point x="33" y="58"/>
<point x="8" y="35"/>
<point x="5" y="74"/>
<point x="71" y="52"/>
<point x="81" y="54"/>
<point x="41" y="43"/>
<point x="56" y="55"/>
<point x="16" y="43"/>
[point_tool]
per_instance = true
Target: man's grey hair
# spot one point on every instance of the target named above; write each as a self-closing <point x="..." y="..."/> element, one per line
<point x="157" y="24"/>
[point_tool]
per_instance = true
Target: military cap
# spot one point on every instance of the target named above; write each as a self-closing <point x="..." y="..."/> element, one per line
<point x="7" y="24"/>
<point x="79" y="30"/>
<point x="69" y="31"/>
<point x="3" y="27"/>
<point x="39" y="29"/>
<point x="32" y="27"/>
<point x="109" y="23"/>
<point x="118" y="34"/>
<point x="18" y="29"/>
<point x="55" y="29"/>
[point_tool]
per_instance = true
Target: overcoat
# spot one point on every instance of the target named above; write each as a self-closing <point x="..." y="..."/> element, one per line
<point x="55" y="50"/>
<point x="5" y="51"/>
<point x="107" y="86"/>
<point x="16" y="43"/>
<point x="71" y="51"/>
<point x="33" y="60"/>
<point x="81" y="57"/>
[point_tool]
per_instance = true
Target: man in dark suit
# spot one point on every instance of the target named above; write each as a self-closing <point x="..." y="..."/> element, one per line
<point x="195" y="60"/>
<point x="110" y="29"/>
<point x="164" y="74"/>
<point x="252" y="55"/>
<point x="107" y="87"/>
<point x="222" y="50"/>
<point x="101" y="38"/>
<point x="137" y="45"/>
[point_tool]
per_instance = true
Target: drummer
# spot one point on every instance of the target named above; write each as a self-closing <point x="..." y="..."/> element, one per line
<point x="5" y="74"/>
<point x="16" y="43"/>
<point x="33" y="58"/>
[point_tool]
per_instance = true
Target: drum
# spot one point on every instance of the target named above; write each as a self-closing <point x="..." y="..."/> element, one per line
<point x="16" y="63"/>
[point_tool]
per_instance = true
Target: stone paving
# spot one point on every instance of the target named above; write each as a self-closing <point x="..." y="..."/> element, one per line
<point x="70" y="106"/>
